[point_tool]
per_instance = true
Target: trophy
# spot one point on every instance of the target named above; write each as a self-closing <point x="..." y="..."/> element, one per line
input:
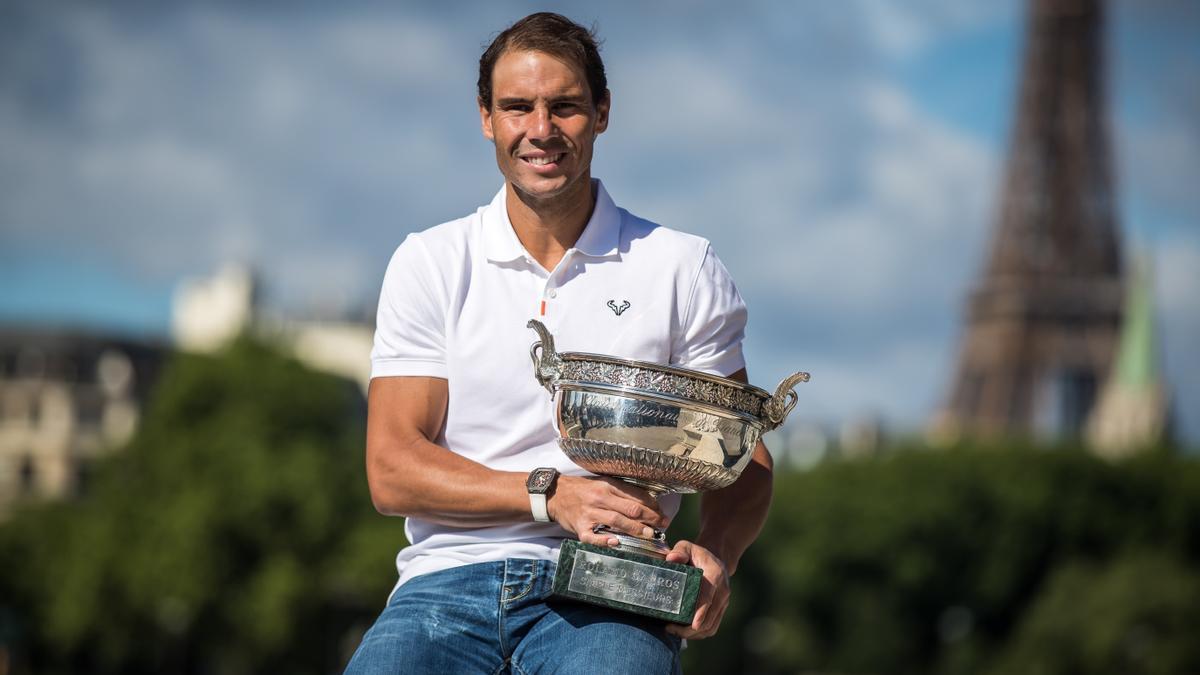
<point x="664" y="429"/>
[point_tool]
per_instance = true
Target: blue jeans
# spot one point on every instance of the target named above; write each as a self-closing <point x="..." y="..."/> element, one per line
<point x="497" y="618"/>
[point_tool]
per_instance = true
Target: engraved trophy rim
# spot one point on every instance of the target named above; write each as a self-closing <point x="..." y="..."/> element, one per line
<point x="649" y="395"/>
<point x="672" y="370"/>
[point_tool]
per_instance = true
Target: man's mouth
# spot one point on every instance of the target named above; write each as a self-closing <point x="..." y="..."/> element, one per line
<point x="543" y="160"/>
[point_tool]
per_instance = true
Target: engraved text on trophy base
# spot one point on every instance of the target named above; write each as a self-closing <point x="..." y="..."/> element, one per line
<point x="626" y="581"/>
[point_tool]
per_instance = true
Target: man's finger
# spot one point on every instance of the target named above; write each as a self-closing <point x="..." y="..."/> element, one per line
<point x="704" y="606"/>
<point x="636" y="510"/>
<point x="718" y="600"/>
<point x="587" y="536"/>
<point x="690" y="630"/>
<point x="622" y="524"/>
<point x="636" y="494"/>
<point x="681" y="553"/>
<point x="712" y="617"/>
<point x="701" y="617"/>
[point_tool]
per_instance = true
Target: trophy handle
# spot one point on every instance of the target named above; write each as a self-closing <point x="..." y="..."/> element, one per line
<point x="777" y="408"/>
<point x="547" y="364"/>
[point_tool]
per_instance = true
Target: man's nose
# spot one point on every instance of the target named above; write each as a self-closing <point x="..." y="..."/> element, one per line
<point x="542" y="124"/>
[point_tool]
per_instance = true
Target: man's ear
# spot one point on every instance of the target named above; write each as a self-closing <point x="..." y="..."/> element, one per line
<point x="485" y="120"/>
<point x="602" y="109"/>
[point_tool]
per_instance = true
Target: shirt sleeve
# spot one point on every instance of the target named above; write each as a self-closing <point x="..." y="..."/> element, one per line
<point x="714" y="322"/>
<point x="410" y="325"/>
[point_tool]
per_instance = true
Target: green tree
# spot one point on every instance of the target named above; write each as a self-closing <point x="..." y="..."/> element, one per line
<point x="941" y="562"/>
<point x="1131" y="616"/>
<point x="234" y="534"/>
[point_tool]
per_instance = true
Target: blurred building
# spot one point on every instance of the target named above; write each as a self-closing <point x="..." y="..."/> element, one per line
<point x="209" y="313"/>
<point x="66" y="398"/>
<point x="801" y="445"/>
<point x="1134" y="408"/>
<point x="861" y="437"/>
<point x="1042" y="323"/>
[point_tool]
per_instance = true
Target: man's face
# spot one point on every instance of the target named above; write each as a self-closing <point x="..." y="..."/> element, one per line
<point x="543" y="123"/>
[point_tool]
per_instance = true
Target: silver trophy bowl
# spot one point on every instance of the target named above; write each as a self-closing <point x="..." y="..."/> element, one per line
<point x="662" y="428"/>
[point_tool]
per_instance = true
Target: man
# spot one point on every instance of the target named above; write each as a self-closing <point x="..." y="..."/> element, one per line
<point x="457" y="421"/>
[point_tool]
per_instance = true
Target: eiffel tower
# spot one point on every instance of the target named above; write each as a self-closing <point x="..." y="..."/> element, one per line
<point x="1042" y="322"/>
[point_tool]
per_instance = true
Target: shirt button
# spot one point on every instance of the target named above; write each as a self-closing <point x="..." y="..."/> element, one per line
<point x="552" y="293"/>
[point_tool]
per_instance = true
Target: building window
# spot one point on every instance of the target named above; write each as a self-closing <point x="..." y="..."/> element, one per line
<point x="89" y="408"/>
<point x="27" y="475"/>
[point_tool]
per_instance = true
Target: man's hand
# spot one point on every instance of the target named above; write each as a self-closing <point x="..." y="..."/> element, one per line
<point x="714" y="590"/>
<point x="580" y="503"/>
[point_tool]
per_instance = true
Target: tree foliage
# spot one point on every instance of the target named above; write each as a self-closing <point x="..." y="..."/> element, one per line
<point x="233" y="535"/>
<point x="1006" y="560"/>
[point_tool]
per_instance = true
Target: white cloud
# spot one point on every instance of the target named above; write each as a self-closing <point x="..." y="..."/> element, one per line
<point x="1177" y="264"/>
<point x="903" y="29"/>
<point x="393" y="51"/>
<point x="1163" y="160"/>
<point x="894" y="28"/>
<point x="199" y="135"/>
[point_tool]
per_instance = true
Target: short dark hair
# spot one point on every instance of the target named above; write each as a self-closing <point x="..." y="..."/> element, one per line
<point x="555" y="35"/>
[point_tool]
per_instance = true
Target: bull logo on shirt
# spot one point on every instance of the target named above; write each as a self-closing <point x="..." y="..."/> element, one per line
<point x="618" y="309"/>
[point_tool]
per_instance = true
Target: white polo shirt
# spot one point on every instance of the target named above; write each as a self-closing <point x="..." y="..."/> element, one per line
<point x="454" y="305"/>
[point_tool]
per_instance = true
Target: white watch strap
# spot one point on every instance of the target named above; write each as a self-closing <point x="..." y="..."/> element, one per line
<point x="537" y="504"/>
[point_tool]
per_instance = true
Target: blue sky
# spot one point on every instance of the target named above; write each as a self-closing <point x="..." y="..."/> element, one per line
<point x="843" y="158"/>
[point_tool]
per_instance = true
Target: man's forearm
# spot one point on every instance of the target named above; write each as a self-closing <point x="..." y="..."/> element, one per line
<point x="732" y="517"/>
<point x="449" y="489"/>
<point x="427" y="481"/>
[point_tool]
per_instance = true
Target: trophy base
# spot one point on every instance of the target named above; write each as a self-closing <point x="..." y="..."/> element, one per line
<point x="631" y="582"/>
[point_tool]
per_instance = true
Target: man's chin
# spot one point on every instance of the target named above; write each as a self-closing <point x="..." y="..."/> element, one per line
<point x="543" y="188"/>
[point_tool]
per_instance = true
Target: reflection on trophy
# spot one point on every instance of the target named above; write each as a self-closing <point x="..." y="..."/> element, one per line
<point x="664" y="429"/>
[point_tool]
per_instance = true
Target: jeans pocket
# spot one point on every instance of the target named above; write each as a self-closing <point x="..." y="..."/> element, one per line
<point x="526" y="580"/>
<point x="517" y="590"/>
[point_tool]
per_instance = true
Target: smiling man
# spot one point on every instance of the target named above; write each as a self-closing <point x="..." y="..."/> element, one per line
<point x="459" y="433"/>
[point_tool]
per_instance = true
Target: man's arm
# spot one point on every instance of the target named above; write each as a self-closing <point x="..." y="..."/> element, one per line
<point x="410" y="475"/>
<point x="730" y="520"/>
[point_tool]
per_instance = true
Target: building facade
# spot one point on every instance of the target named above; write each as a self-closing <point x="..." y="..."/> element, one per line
<point x="66" y="399"/>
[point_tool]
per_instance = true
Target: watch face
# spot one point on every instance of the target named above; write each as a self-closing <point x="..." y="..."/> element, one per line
<point x="540" y="480"/>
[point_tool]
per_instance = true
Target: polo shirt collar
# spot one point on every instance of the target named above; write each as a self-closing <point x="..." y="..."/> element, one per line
<point x="601" y="237"/>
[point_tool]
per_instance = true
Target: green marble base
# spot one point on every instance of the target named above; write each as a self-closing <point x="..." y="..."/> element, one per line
<point x="627" y="581"/>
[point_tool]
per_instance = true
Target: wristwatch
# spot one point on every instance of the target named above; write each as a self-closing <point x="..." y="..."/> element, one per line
<point x="539" y="484"/>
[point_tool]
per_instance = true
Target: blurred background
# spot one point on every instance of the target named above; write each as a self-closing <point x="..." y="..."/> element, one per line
<point x="974" y="222"/>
